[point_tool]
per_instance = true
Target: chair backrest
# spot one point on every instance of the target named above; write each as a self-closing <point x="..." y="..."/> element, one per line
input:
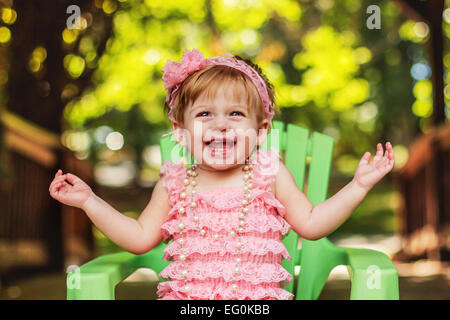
<point x="299" y="149"/>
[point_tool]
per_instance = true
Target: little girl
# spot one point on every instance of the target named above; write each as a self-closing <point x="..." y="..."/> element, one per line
<point x="227" y="211"/>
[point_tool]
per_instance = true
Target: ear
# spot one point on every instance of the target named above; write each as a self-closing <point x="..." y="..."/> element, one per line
<point x="178" y="131"/>
<point x="263" y="128"/>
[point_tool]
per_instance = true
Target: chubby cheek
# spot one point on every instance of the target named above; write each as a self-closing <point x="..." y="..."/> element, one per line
<point x="196" y="147"/>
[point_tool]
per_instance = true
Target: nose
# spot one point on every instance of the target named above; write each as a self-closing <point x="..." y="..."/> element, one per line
<point x="221" y="127"/>
<point x="221" y="123"/>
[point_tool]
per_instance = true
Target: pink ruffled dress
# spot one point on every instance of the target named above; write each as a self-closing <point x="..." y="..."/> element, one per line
<point x="210" y="263"/>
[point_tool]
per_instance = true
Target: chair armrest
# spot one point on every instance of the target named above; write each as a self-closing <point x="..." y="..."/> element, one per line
<point x="373" y="275"/>
<point x="97" y="278"/>
<point x="317" y="259"/>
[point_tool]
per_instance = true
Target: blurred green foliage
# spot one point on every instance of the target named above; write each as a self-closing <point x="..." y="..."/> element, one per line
<point x="331" y="73"/>
<point x="374" y="216"/>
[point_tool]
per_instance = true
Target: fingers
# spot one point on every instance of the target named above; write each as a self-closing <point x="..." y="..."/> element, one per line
<point x="55" y="179"/>
<point x="379" y="158"/>
<point x="57" y="183"/>
<point x="389" y="151"/>
<point x="385" y="161"/>
<point x="379" y="153"/>
<point x="365" y="158"/>
<point x="71" y="178"/>
<point x="390" y="154"/>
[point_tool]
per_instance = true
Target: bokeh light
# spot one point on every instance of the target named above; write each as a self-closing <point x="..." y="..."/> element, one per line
<point x="70" y="35"/>
<point x="114" y="141"/>
<point x="420" y="71"/>
<point x="446" y="15"/>
<point x="5" y="35"/>
<point x="421" y="29"/>
<point x="152" y="155"/>
<point x="152" y="57"/>
<point x="74" y="65"/>
<point x="101" y="133"/>
<point x="8" y="15"/>
<point x="76" y="141"/>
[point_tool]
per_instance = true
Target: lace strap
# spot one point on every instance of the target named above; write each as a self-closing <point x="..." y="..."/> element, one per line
<point x="265" y="167"/>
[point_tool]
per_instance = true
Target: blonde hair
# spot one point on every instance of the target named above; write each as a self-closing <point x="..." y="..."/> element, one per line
<point x="209" y="79"/>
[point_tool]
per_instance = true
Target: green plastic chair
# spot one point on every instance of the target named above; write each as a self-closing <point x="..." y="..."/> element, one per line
<point x="372" y="273"/>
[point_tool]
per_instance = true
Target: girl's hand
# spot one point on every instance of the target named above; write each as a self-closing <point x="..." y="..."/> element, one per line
<point x="368" y="174"/>
<point x="74" y="194"/>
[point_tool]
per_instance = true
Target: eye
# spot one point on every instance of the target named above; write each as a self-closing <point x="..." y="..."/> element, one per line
<point x="201" y="113"/>
<point x="238" y="113"/>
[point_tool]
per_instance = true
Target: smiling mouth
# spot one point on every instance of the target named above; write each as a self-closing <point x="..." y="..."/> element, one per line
<point x="220" y="143"/>
<point x="221" y="146"/>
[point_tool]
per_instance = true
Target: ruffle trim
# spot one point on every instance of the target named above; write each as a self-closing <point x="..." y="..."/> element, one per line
<point x="250" y="245"/>
<point x="257" y="220"/>
<point x="173" y="290"/>
<point x="249" y="271"/>
<point x="265" y="167"/>
<point x="230" y="199"/>
<point x="173" y="177"/>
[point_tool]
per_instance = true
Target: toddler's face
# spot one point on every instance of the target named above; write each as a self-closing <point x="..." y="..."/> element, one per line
<point x="220" y="132"/>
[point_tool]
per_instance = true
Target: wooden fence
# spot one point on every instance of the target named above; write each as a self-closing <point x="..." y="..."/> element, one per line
<point x="37" y="233"/>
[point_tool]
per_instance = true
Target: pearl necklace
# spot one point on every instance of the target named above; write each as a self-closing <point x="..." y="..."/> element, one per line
<point x="237" y="232"/>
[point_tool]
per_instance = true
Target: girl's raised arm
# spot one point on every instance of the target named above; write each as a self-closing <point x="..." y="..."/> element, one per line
<point x="315" y="222"/>
<point x="135" y="236"/>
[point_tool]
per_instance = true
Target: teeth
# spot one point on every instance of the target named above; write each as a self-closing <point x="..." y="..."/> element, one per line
<point x="221" y="144"/>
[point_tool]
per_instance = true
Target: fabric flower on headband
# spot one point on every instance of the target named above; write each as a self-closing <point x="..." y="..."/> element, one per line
<point x="176" y="72"/>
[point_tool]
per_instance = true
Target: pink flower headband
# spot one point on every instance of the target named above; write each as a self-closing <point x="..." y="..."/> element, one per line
<point x="175" y="73"/>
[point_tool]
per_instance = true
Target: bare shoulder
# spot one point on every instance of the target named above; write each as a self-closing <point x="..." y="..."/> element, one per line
<point x="278" y="176"/>
<point x="286" y="189"/>
<point x="158" y="206"/>
<point x="298" y="207"/>
<point x="160" y="192"/>
<point x="284" y="179"/>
